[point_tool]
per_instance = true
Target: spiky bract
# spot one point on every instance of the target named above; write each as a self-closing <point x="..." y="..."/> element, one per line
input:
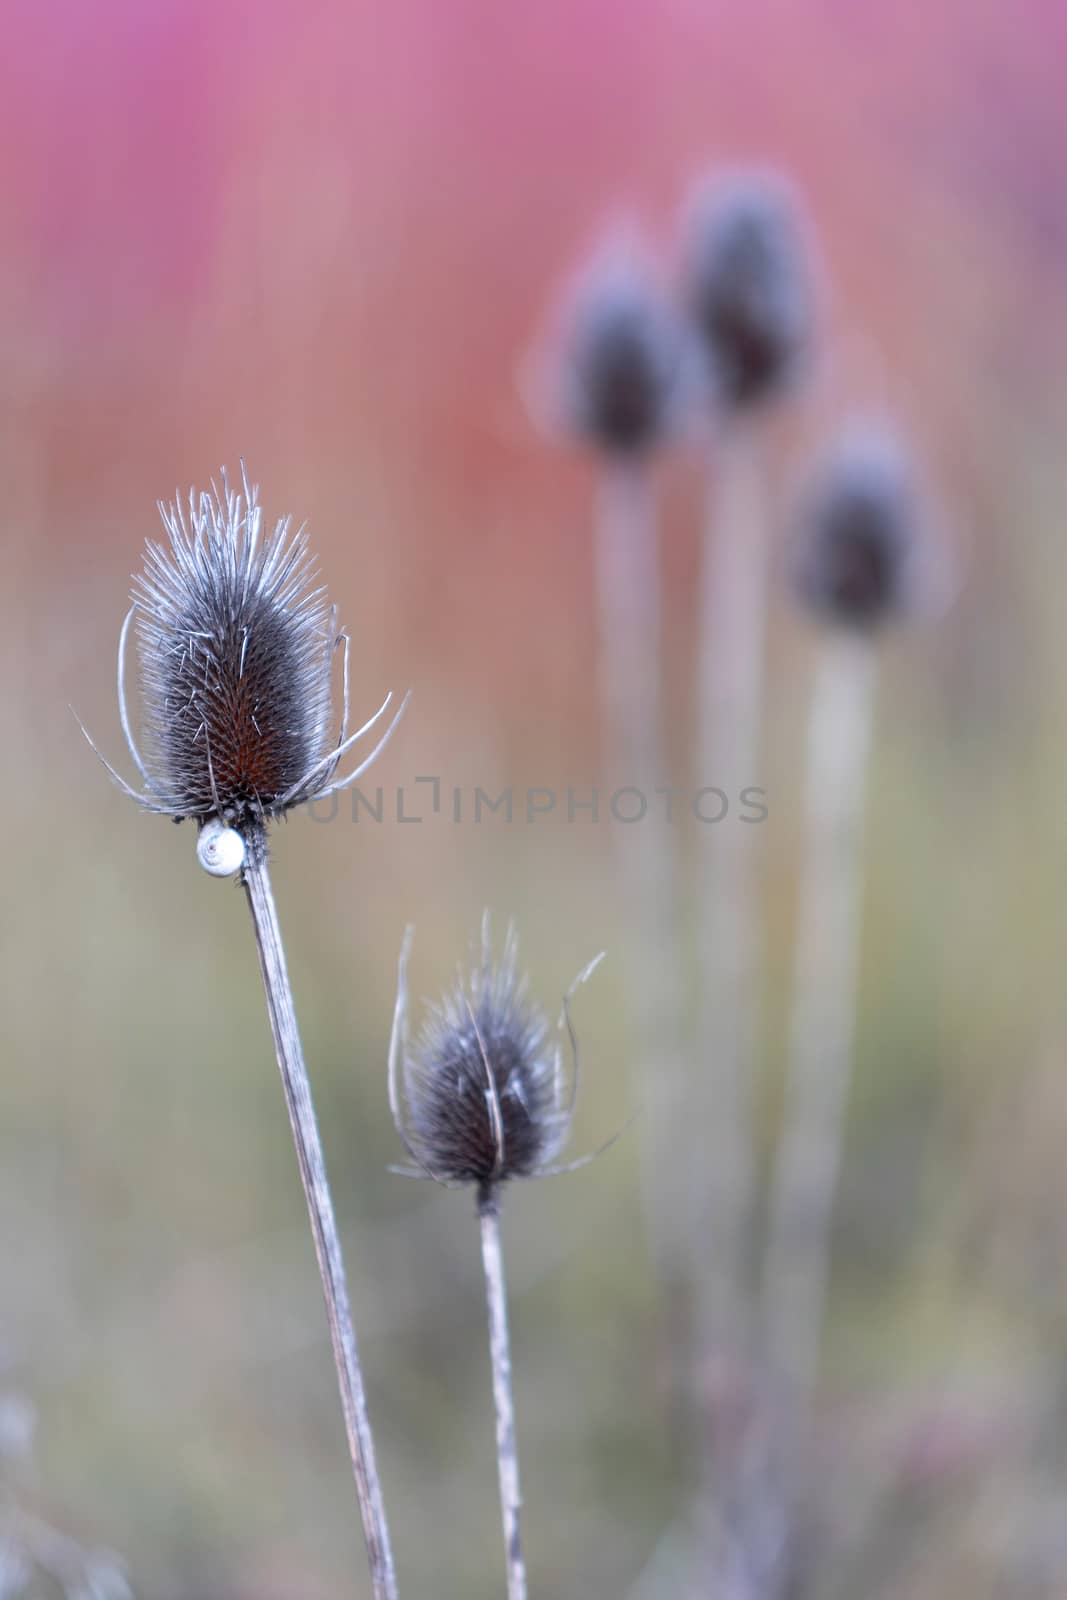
<point x="624" y="359"/>
<point x="858" y="547"/>
<point x="235" y="644"/>
<point x="483" y="1094"/>
<point x="748" y="285"/>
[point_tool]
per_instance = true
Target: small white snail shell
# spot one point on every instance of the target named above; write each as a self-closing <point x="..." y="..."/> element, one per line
<point x="220" y="850"/>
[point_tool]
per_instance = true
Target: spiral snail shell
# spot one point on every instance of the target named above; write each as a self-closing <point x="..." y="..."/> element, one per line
<point x="220" y="850"/>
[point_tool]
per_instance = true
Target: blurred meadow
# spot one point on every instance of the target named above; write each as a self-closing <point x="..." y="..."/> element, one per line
<point x="326" y="239"/>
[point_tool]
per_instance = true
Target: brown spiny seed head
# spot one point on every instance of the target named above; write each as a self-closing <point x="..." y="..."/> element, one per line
<point x="748" y="286"/>
<point x="624" y="358"/>
<point x="861" y="536"/>
<point x="235" y="644"/>
<point x="483" y="1095"/>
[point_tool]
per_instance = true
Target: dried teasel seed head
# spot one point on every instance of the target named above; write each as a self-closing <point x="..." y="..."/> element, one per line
<point x="235" y="646"/>
<point x="864" y="548"/>
<point x="623" y="357"/>
<point x="748" y="285"/>
<point x="482" y="1087"/>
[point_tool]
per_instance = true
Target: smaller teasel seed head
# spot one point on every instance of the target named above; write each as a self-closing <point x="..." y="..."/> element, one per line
<point x="623" y="358"/>
<point x="863" y="542"/>
<point x="479" y="1097"/>
<point x="748" y="285"/>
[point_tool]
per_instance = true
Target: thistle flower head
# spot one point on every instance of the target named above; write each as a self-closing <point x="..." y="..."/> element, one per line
<point x="748" y="285"/>
<point x="861" y="544"/>
<point x="623" y="357"/>
<point x="236" y="647"/>
<point x="482" y="1085"/>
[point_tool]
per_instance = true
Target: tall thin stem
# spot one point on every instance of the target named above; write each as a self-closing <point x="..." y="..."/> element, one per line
<point x="507" y="1449"/>
<point x="283" y="1024"/>
<point x="823" y="1018"/>
<point x="732" y="627"/>
<point x="628" y="595"/>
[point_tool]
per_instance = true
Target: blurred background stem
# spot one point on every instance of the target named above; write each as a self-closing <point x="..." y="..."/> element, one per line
<point x="628" y="588"/>
<point x="732" y="627"/>
<point x="822" y="1020"/>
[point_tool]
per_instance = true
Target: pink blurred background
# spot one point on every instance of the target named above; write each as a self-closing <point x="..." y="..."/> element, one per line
<point x="325" y="238"/>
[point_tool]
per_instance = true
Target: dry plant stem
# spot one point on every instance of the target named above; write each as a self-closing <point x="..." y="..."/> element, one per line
<point x="732" y="628"/>
<point x="823" y="1018"/>
<point x="507" y="1450"/>
<point x="628" y="595"/>
<point x="320" y="1209"/>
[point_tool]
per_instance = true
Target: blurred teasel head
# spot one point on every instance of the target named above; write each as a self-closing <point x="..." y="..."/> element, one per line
<point x="748" y="285"/>
<point x="864" y="548"/>
<point x="236" y="645"/>
<point x="622" y="356"/>
<point x="481" y="1097"/>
